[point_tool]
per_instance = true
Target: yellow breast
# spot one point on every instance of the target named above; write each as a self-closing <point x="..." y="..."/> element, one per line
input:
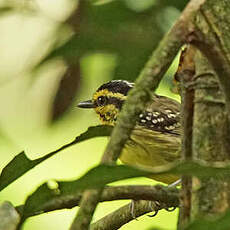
<point x="149" y="149"/>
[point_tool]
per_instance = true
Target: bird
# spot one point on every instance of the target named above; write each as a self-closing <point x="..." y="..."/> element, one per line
<point x="156" y="137"/>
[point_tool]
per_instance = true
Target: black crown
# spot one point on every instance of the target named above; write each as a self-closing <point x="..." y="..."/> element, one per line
<point x="117" y="86"/>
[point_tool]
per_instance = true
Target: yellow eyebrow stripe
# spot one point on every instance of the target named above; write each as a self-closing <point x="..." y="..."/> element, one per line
<point x="106" y="92"/>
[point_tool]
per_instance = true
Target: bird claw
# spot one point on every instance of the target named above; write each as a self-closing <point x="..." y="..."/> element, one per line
<point x="155" y="207"/>
<point x="170" y="209"/>
<point x="154" y="214"/>
<point x="132" y="206"/>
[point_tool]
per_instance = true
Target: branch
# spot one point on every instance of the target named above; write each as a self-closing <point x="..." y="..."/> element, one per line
<point x="123" y="215"/>
<point x="167" y="197"/>
<point x="185" y="74"/>
<point x="212" y="39"/>
<point x="8" y="216"/>
<point x="140" y="95"/>
<point x="162" y="194"/>
<point x="211" y="126"/>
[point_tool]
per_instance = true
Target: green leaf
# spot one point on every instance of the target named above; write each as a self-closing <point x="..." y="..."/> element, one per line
<point x="94" y="178"/>
<point x="94" y="131"/>
<point x="21" y="164"/>
<point x="101" y="175"/>
<point x="15" y="168"/>
<point x="199" y="170"/>
<point x="222" y="223"/>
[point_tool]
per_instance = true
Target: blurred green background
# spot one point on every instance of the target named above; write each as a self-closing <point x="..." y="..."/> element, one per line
<point x="29" y="32"/>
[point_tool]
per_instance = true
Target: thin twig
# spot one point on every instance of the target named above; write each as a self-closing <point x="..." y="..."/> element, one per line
<point x="123" y="215"/>
<point x="139" y="96"/>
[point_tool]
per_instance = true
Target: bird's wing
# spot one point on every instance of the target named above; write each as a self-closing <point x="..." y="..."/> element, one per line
<point x="162" y="115"/>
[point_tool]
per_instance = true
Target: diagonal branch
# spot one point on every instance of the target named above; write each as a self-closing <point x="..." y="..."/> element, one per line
<point x="147" y="82"/>
<point x="123" y="215"/>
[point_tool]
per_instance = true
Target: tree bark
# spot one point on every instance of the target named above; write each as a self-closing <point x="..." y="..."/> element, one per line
<point x="185" y="75"/>
<point x="210" y="197"/>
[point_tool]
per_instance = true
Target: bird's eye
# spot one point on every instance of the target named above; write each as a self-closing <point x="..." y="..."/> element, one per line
<point x="101" y="100"/>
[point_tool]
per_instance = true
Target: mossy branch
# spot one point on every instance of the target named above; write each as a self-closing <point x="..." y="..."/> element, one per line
<point x="210" y="123"/>
<point x="212" y="39"/>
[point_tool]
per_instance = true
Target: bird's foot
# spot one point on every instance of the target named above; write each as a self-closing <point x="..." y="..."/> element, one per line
<point x="132" y="209"/>
<point x="170" y="209"/>
<point x="155" y="206"/>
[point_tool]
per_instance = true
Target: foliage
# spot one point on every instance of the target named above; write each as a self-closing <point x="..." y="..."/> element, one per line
<point x="127" y="31"/>
<point x="22" y="164"/>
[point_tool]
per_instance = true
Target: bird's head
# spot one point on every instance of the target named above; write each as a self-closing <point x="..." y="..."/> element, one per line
<point x="108" y="100"/>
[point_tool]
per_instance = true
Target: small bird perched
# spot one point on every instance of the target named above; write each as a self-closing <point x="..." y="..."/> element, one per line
<point x="156" y="138"/>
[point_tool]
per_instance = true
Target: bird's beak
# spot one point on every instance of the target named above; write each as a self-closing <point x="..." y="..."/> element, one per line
<point x="86" y="104"/>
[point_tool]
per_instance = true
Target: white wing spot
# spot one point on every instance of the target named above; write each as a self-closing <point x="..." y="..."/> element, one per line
<point x="177" y="124"/>
<point x="171" y="127"/>
<point x="171" y="115"/>
<point x="154" y="121"/>
<point x="148" y="118"/>
<point x="143" y="121"/>
<point x="141" y="115"/>
<point x="155" y="114"/>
